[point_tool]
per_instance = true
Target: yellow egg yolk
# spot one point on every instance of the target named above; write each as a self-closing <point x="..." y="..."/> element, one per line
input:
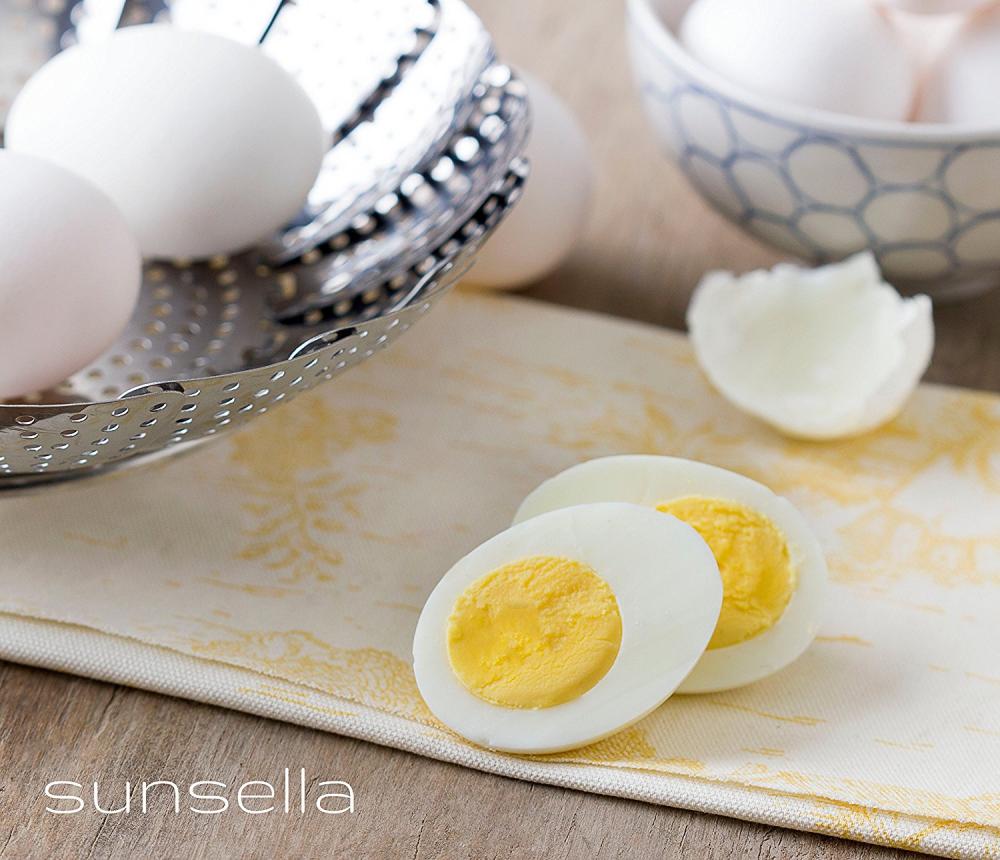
<point x="534" y="633"/>
<point x="757" y="574"/>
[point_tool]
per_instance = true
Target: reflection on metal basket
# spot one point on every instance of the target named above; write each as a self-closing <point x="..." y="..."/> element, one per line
<point x="428" y="131"/>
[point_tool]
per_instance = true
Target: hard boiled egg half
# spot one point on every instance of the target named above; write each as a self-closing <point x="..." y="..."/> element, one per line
<point x="773" y="574"/>
<point x="566" y="628"/>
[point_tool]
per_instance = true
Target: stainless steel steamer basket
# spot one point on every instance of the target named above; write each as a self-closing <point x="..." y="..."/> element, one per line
<point x="428" y="129"/>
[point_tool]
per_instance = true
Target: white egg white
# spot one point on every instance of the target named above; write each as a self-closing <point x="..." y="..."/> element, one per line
<point x="817" y="353"/>
<point x="669" y="593"/>
<point x="651" y="480"/>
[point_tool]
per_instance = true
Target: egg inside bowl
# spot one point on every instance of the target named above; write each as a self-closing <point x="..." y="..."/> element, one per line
<point x="923" y="198"/>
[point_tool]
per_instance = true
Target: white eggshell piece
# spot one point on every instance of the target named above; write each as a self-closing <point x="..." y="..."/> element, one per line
<point x="542" y="229"/>
<point x="960" y="85"/>
<point x="649" y="481"/>
<point x="817" y="353"/>
<point x="206" y="145"/>
<point x="669" y="592"/>
<point x="69" y="274"/>
<point x="844" y="56"/>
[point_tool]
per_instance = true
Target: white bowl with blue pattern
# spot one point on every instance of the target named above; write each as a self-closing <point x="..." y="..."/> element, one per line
<point x="924" y="198"/>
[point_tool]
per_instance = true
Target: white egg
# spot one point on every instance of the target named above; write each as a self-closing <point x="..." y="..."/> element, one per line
<point x="206" y="145"/>
<point x="843" y="56"/>
<point x="69" y="274"/>
<point x="566" y="629"/>
<point x="817" y="353"/>
<point x="541" y="231"/>
<point x="774" y="574"/>
<point x="959" y="86"/>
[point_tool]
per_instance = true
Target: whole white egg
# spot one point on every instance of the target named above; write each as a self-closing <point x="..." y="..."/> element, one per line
<point x="206" y="145"/>
<point x="844" y="56"/>
<point x="959" y="87"/>
<point x="547" y="221"/>
<point x="69" y="274"/>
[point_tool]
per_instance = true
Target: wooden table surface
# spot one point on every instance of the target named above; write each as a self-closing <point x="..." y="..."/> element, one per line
<point x="649" y="240"/>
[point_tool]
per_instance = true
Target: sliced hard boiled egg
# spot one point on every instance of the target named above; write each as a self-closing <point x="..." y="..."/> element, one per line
<point x="566" y="629"/>
<point x="773" y="573"/>
<point x="817" y="353"/>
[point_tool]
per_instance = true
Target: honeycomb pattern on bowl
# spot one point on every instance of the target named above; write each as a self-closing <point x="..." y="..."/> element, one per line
<point x="928" y="209"/>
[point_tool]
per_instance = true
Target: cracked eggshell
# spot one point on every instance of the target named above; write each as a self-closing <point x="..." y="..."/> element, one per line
<point x="818" y="354"/>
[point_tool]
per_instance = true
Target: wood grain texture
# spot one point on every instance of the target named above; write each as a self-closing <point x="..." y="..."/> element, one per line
<point x="648" y="242"/>
<point x="55" y="726"/>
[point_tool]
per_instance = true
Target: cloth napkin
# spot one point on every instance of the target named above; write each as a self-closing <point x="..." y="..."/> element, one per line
<point x="281" y="571"/>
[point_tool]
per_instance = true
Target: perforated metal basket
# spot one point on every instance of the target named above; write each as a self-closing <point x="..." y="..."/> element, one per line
<point x="427" y="131"/>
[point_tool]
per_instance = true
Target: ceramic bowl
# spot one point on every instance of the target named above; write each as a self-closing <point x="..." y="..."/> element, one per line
<point x="924" y="198"/>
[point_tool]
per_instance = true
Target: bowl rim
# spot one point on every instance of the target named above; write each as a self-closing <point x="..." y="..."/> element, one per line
<point x="645" y="16"/>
